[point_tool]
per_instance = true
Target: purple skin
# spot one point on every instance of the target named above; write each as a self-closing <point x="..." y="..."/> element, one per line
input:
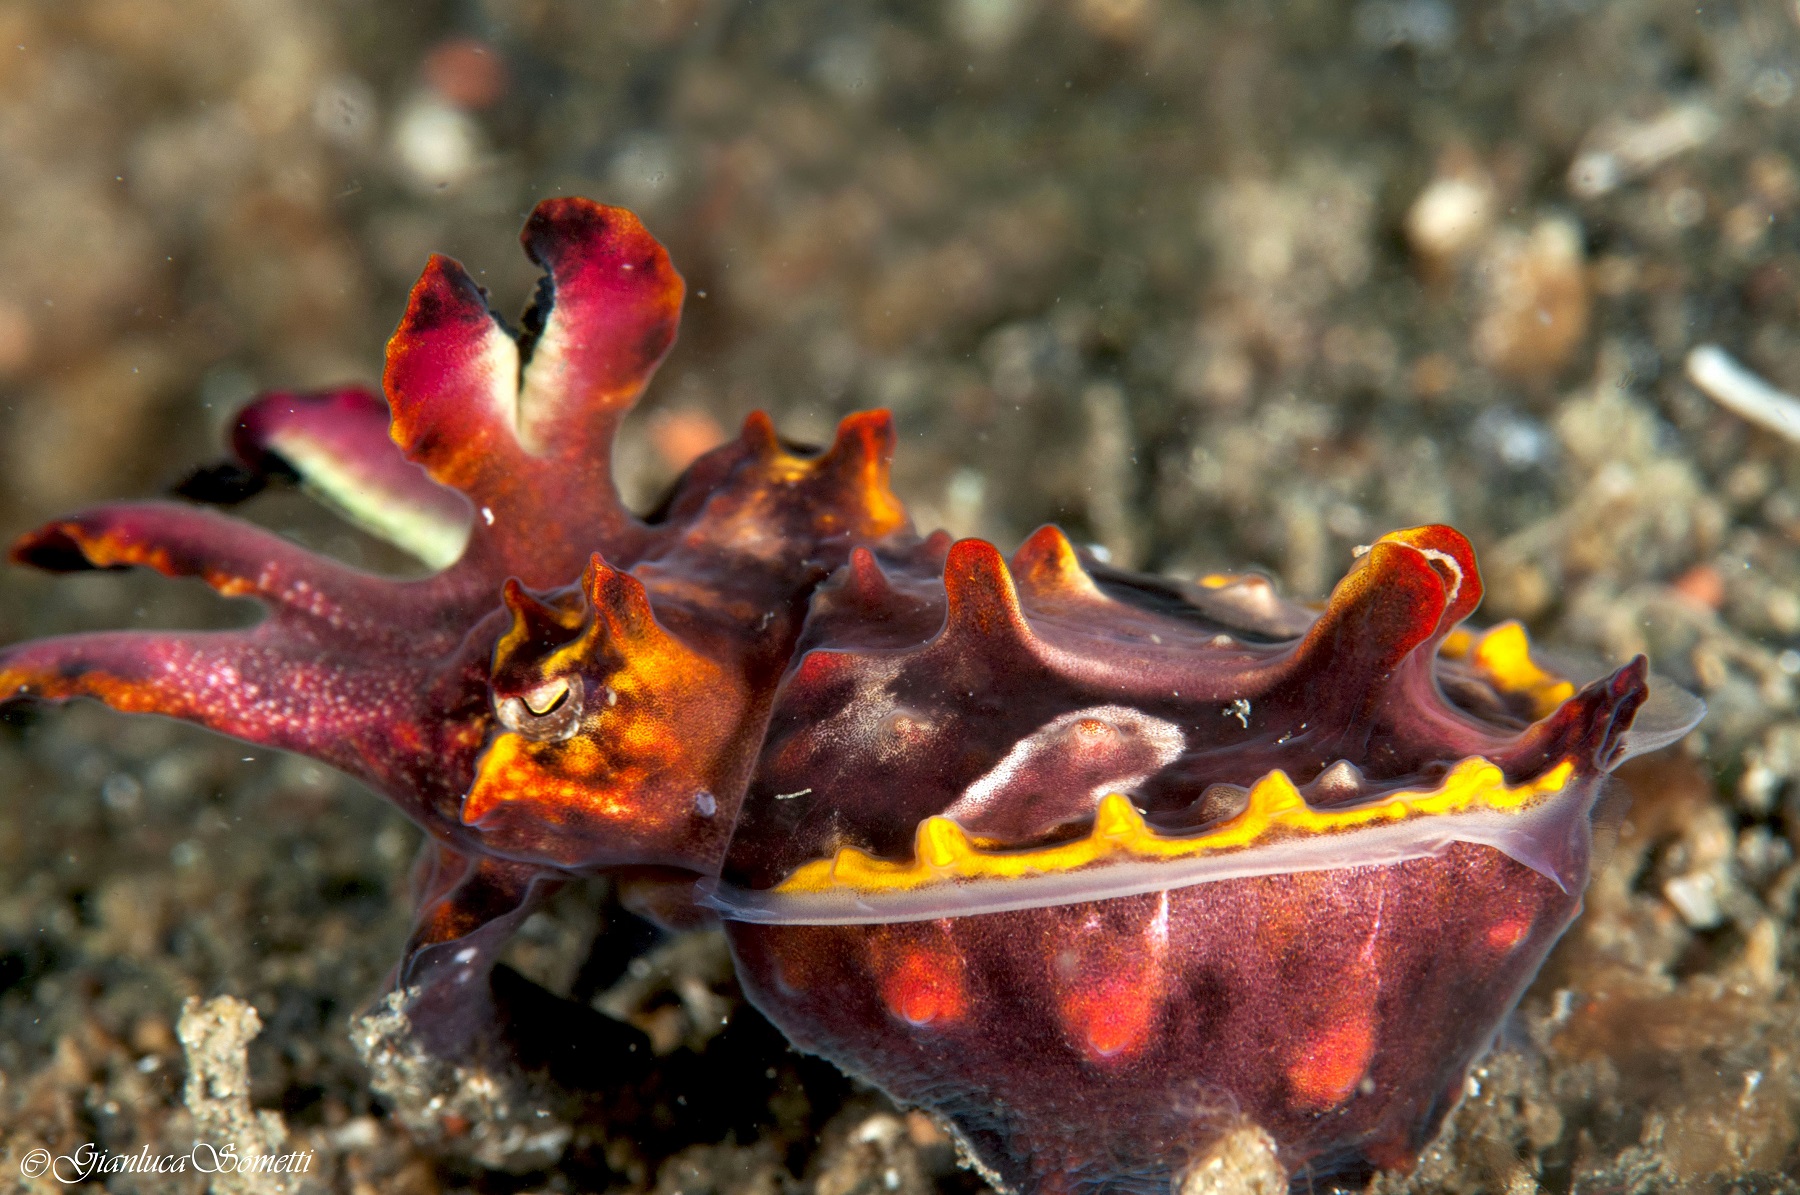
<point x="1338" y="1009"/>
<point x="775" y="668"/>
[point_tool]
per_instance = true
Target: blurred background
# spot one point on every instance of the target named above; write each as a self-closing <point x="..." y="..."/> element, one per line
<point x="1215" y="285"/>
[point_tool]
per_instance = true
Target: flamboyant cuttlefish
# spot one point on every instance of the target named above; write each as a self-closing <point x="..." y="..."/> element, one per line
<point x="1095" y="865"/>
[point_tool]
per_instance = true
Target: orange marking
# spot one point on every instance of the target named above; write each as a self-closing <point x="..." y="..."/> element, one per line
<point x="1332" y="1062"/>
<point x="1047" y="564"/>
<point x="1110" y="984"/>
<point x="922" y="983"/>
<point x="1114" y="1016"/>
<point x="979" y="591"/>
<point x="860" y="453"/>
<point x="1509" y="933"/>
<point x="1450" y="554"/>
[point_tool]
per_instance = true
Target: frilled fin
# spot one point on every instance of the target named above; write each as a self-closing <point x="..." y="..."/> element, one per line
<point x="523" y="423"/>
<point x="1128" y="692"/>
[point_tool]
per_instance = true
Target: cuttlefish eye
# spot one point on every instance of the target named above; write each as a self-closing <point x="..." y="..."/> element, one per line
<point x="550" y="712"/>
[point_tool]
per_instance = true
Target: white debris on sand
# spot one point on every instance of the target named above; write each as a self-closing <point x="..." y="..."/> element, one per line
<point x="1244" y="1161"/>
<point x="1743" y="393"/>
<point x="244" y="1146"/>
<point x="1618" y="151"/>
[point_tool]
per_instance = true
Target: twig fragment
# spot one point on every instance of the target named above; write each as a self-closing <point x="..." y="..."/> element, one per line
<point x="1743" y="393"/>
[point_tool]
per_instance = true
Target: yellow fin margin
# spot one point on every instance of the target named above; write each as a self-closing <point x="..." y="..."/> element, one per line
<point x="943" y="852"/>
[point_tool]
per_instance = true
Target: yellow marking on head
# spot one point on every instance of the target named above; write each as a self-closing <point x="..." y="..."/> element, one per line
<point x="942" y="852"/>
<point x="1503" y="655"/>
<point x="513" y="771"/>
<point x="527" y="609"/>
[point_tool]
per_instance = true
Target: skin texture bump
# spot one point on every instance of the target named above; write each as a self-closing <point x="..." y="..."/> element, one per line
<point x="1096" y="865"/>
